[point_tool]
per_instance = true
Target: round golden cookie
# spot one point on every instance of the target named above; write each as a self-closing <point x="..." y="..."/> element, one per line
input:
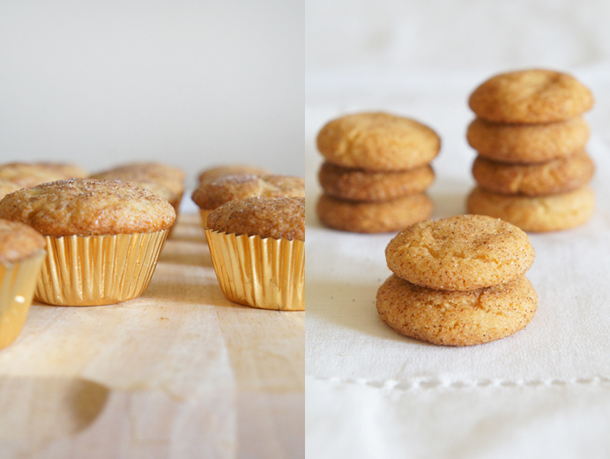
<point x="88" y="207"/>
<point x="465" y="252"/>
<point x="530" y="97"/>
<point x="374" y="217"/>
<point x="539" y="214"/>
<point x="377" y="142"/>
<point x="527" y="143"/>
<point x="217" y="172"/>
<point x="211" y="194"/>
<point x="454" y="318"/>
<point x="279" y="218"/>
<point x="552" y="177"/>
<point x="361" y="185"/>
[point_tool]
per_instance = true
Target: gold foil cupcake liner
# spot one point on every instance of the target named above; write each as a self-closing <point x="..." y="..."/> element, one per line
<point x="263" y="273"/>
<point x="17" y="283"/>
<point x="204" y="219"/>
<point x="98" y="270"/>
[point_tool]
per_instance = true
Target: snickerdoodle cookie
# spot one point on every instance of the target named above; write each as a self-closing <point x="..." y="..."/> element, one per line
<point x="530" y="97"/>
<point x="536" y="214"/>
<point x="374" y="217"/>
<point x="361" y="185"/>
<point x="377" y="142"/>
<point x="465" y="252"/>
<point x="526" y="143"/>
<point x="552" y="177"/>
<point x="456" y="318"/>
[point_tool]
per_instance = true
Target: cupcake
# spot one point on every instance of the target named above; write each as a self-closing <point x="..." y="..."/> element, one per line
<point x="166" y="181"/>
<point x="7" y="187"/>
<point x="258" y="251"/>
<point x="103" y="238"/>
<point x="27" y="175"/>
<point x="212" y="194"/>
<point x="21" y="254"/>
<point x="217" y="172"/>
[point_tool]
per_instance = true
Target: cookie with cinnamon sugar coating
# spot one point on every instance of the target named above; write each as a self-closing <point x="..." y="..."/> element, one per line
<point x="361" y="185"/>
<point x="377" y="141"/>
<point x="541" y="179"/>
<point x="465" y="252"/>
<point x="530" y="97"/>
<point x="455" y="318"/>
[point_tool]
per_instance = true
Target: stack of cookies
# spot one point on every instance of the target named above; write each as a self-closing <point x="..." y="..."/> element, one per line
<point x="376" y="172"/>
<point x="458" y="281"/>
<point x="532" y="169"/>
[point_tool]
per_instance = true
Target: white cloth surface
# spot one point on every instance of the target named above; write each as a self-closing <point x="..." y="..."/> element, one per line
<point x="371" y="393"/>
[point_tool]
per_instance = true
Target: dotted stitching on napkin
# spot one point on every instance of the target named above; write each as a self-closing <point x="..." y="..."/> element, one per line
<point x="425" y="384"/>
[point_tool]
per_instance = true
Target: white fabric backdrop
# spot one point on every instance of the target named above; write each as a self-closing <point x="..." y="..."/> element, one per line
<point x="545" y="392"/>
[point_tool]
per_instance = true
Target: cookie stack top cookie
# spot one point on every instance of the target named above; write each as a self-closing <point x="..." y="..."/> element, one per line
<point x="465" y="252"/>
<point x="532" y="168"/>
<point x="376" y="172"/>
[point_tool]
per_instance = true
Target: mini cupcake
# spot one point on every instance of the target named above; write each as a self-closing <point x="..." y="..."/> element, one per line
<point x="7" y="187"/>
<point x="258" y="251"/>
<point x="21" y="254"/>
<point x="170" y="178"/>
<point x="27" y="175"/>
<point x="212" y="194"/>
<point x="103" y="238"/>
<point x="217" y="172"/>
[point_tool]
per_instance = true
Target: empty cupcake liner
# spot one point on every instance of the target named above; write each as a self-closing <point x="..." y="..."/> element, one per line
<point x="98" y="270"/>
<point x="263" y="273"/>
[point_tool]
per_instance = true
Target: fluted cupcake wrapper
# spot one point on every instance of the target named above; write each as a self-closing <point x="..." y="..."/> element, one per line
<point x="204" y="218"/>
<point x="97" y="270"/>
<point x="263" y="273"/>
<point x="17" y="283"/>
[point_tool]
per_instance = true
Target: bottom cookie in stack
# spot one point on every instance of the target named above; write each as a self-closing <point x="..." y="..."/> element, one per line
<point x="458" y="281"/>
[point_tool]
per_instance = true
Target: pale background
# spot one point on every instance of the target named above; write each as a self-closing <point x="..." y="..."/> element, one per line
<point x="188" y="83"/>
<point x="370" y="393"/>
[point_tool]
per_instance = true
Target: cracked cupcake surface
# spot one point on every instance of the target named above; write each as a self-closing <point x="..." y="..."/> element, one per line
<point x="88" y="207"/>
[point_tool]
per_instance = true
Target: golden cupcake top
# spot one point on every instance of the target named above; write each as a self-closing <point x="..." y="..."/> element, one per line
<point x="170" y="177"/>
<point x="210" y="195"/>
<point x="18" y="241"/>
<point x="278" y="218"/>
<point x="27" y="175"/>
<point x="7" y="187"/>
<point x="217" y="172"/>
<point x="140" y="181"/>
<point x="88" y="207"/>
